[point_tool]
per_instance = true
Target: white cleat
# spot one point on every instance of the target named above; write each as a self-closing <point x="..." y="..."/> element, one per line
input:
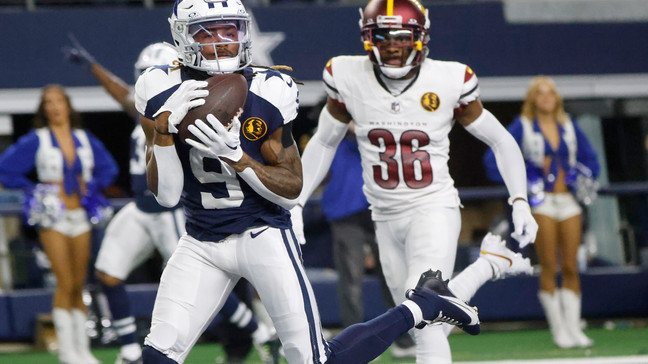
<point x="503" y="261"/>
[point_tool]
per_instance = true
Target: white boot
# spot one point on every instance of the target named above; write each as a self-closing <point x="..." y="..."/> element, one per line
<point x="64" y="325"/>
<point x="551" y="305"/>
<point x="571" y="303"/>
<point x="81" y="338"/>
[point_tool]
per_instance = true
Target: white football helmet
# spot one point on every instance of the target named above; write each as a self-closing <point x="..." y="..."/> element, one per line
<point x="154" y="55"/>
<point x="195" y="22"/>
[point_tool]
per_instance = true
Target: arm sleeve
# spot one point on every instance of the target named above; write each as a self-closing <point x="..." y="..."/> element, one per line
<point x="105" y="169"/>
<point x="320" y="151"/>
<point x="508" y="156"/>
<point x="585" y="152"/>
<point x="490" y="164"/>
<point x="17" y="161"/>
<point x="170" y="175"/>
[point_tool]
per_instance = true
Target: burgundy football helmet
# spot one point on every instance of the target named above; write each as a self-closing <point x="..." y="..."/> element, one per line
<point x="395" y="24"/>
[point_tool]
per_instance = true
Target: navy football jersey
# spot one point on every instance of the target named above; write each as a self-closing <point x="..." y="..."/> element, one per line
<point x="216" y="200"/>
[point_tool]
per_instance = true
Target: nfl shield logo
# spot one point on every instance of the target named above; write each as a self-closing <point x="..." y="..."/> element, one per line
<point x="395" y="106"/>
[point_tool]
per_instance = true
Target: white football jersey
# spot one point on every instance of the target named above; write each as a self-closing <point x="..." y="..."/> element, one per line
<point x="403" y="139"/>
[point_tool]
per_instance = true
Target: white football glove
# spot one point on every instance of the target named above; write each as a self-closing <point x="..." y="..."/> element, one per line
<point x="189" y="95"/>
<point x="297" y="219"/>
<point x="525" y="226"/>
<point x="217" y="142"/>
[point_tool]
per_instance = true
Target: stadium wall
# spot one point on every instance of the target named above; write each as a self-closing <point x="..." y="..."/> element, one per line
<point x="616" y="292"/>
<point x="503" y="44"/>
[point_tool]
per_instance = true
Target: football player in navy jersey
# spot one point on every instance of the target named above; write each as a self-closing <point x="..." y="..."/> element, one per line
<point x="236" y="184"/>
<point x="144" y="225"/>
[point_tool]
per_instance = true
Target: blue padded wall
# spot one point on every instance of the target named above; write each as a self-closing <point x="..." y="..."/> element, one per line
<point x="614" y="292"/>
<point x="473" y="33"/>
<point x="6" y="328"/>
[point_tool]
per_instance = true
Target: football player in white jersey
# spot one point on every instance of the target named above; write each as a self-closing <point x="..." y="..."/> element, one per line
<point x="403" y="106"/>
<point x="236" y="185"/>
<point x="143" y="225"/>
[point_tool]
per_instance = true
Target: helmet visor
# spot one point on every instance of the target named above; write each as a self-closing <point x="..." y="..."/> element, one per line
<point x="387" y="37"/>
<point x="393" y="47"/>
<point x="218" y="31"/>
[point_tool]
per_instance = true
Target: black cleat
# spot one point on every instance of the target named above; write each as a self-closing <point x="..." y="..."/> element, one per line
<point x="440" y="305"/>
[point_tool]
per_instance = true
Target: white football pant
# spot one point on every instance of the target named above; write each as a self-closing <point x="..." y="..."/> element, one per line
<point x="133" y="235"/>
<point x="200" y="275"/>
<point x="409" y="245"/>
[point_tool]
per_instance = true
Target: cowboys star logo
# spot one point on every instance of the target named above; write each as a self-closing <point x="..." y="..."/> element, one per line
<point x="430" y="101"/>
<point x="254" y="128"/>
<point x="264" y="42"/>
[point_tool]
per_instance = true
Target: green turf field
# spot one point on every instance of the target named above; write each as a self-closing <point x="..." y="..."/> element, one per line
<point x="488" y="346"/>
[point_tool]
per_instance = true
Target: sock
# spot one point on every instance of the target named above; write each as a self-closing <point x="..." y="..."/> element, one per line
<point x="152" y="356"/>
<point x="415" y="309"/>
<point x="423" y="306"/>
<point x="131" y="351"/>
<point x="465" y="284"/>
<point x="122" y="318"/>
<point x="239" y="314"/>
<point x="361" y="343"/>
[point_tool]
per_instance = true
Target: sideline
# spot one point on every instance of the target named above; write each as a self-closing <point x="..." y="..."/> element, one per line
<point x="639" y="359"/>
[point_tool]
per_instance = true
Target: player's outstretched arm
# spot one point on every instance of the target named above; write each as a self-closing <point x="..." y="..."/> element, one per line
<point x="332" y="126"/>
<point x="115" y="86"/>
<point x="510" y="163"/>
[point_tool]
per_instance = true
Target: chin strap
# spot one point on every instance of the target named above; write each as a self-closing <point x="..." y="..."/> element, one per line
<point x="227" y="65"/>
<point x="395" y="73"/>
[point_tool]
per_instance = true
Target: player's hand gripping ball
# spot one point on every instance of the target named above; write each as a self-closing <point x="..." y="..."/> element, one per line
<point x="227" y="95"/>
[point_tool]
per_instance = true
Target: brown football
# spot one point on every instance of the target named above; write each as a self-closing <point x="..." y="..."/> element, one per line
<point x="227" y="95"/>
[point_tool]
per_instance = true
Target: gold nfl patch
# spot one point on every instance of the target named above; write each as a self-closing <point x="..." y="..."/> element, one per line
<point x="430" y="101"/>
<point x="254" y="128"/>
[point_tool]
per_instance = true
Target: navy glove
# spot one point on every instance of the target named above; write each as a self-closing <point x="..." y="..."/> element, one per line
<point x="77" y="54"/>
